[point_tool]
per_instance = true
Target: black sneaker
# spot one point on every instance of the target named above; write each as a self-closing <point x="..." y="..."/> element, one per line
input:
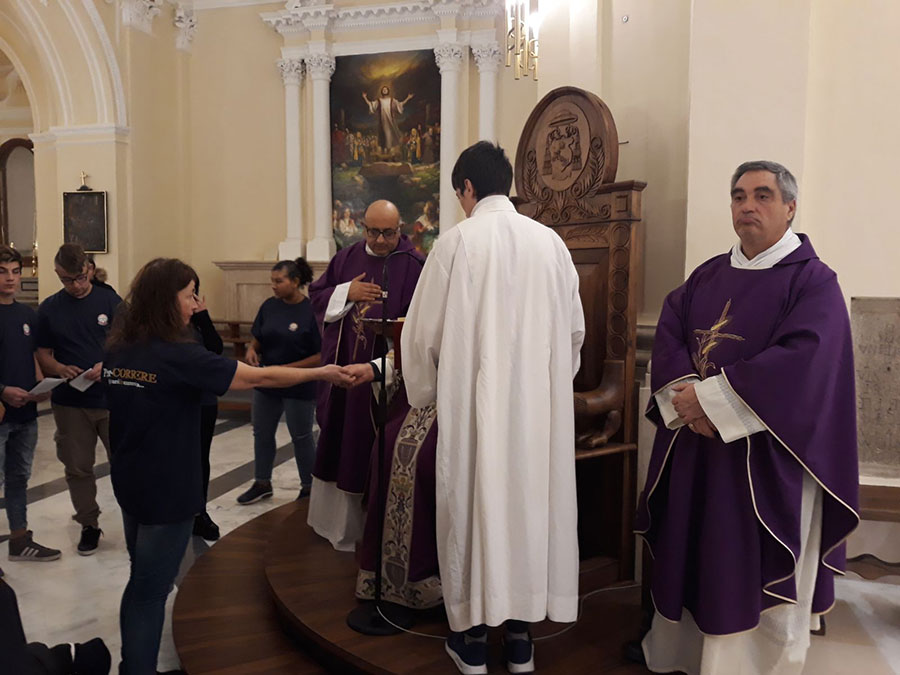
<point x="91" y="657"/>
<point x="518" y="654"/>
<point x="257" y="491"/>
<point x="90" y="538"/>
<point x="468" y="654"/>
<point x="26" y="548"/>
<point x="304" y="492"/>
<point x="205" y="527"/>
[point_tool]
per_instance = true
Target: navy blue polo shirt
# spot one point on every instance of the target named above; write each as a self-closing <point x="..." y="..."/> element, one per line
<point x="154" y="390"/>
<point x="287" y="333"/>
<point x="75" y="329"/>
<point x="18" y="323"/>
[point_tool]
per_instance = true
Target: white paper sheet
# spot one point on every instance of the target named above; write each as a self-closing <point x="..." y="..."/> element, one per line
<point x="45" y="385"/>
<point x="81" y="383"/>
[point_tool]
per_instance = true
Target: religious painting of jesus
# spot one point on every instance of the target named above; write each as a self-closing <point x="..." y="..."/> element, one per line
<point x="385" y="142"/>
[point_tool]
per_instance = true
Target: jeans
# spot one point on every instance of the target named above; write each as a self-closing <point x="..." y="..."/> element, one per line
<point x="17" y="443"/>
<point x="299" y="414"/>
<point x="155" y="552"/>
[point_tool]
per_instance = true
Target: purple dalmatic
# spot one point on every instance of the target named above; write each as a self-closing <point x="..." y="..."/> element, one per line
<point x="346" y="417"/>
<point x="409" y="536"/>
<point x="723" y="520"/>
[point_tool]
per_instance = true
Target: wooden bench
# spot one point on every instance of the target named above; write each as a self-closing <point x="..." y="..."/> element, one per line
<point x="236" y="334"/>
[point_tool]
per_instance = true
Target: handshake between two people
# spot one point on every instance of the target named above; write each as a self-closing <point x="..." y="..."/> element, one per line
<point x="348" y="376"/>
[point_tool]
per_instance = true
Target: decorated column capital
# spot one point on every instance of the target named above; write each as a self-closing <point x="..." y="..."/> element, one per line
<point x="488" y="57"/>
<point x="186" y="23"/>
<point x="140" y="14"/>
<point x="291" y="71"/>
<point x="449" y="56"/>
<point x="320" y="66"/>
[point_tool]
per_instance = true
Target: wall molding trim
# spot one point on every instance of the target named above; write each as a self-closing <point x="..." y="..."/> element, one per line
<point x="299" y="16"/>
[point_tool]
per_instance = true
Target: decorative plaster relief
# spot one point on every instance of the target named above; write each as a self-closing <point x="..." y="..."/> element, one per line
<point x="320" y="66"/>
<point x="449" y="56"/>
<point x="488" y="57"/>
<point x="186" y="23"/>
<point x="140" y="14"/>
<point x="306" y="14"/>
<point x="291" y="70"/>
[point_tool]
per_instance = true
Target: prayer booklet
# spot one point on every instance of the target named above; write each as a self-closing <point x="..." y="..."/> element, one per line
<point x="81" y="383"/>
<point x="45" y="385"/>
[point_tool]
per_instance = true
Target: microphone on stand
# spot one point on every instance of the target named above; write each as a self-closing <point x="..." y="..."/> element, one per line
<point x="382" y="618"/>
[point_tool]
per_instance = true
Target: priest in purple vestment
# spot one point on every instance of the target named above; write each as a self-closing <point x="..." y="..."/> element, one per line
<point x="349" y="291"/>
<point x="752" y="487"/>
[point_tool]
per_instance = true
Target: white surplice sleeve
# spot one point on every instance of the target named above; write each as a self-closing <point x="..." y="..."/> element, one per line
<point x="388" y="373"/>
<point x="664" y="402"/>
<point x="423" y="332"/>
<point x="730" y="415"/>
<point x="577" y="324"/>
<point x="338" y="305"/>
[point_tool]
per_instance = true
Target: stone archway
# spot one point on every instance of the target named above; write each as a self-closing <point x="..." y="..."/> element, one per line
<point x="67" y="65"/>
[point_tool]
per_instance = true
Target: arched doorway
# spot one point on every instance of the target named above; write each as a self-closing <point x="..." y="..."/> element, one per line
<point x="17" y="194"/>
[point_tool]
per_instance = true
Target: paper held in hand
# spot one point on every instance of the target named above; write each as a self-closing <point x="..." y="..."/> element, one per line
<point x="45" y="385"/>
<point x="82" y="383"/>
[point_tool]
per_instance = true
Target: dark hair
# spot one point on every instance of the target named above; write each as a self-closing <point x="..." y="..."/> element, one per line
<point x="298" y="270"/>
<point x="487" y="167"/>
<point x="150" y="311"/>
<point x="71" y="257"/>
<point x="10" y="255"/>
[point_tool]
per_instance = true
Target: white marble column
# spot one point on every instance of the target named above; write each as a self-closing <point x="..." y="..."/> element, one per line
<point x="320" y="68"/>
<point x="292" y="74"/>
<point x="488" y="59"/>
<point x="449" y="58"/>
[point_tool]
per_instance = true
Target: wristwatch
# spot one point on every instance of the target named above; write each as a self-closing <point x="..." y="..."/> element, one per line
<point x="2" y="387"/>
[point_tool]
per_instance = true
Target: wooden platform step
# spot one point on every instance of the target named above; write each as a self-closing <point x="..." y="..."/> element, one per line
<point x="313" y="588"/>
<point x="224" y="620"/>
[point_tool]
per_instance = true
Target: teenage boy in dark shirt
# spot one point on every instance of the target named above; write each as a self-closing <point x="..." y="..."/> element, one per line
<point x="18" y="427"/>
<point x="72" y="328"/>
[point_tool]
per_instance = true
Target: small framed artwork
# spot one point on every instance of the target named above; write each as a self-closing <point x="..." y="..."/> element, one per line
<point x="84" y="220"/>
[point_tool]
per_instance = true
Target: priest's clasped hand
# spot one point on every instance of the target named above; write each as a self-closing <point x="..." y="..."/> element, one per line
<point x="359" y="373"/>
<point x="363" y="291"/>
<point x="689" y="410"/>
<point x="337" y="375"/>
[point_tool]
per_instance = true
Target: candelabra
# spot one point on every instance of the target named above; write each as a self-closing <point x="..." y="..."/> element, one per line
<point x="522" y="24"/>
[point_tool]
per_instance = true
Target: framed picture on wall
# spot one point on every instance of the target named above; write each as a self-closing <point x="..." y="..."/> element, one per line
<point x="84" y="220"/>
<point x="385" y="142"/>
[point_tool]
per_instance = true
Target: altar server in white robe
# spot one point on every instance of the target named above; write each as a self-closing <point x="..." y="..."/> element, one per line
<point x="494" y="334"/>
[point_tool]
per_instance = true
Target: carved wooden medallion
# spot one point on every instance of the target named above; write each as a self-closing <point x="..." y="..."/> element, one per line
<point x="568" y="150"/>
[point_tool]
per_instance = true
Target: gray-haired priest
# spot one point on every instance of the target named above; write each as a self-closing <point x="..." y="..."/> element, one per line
<point x="752" y="487"/>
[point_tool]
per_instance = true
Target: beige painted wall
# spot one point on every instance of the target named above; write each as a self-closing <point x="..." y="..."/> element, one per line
<point x="851" y="170"/>
<point x="156" y="224"/>
<point x="237" y="182"/>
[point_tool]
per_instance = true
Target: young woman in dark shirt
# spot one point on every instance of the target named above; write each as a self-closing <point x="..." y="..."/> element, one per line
<point x="285" y="332"/>
<point x="155" y="374"/>
<point x="209" y="337"/>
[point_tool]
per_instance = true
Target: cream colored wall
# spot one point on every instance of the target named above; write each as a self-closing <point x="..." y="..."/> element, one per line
<point x="821" y="98"/>
<point x="156" y="224"/>
<point x="745" y="103"/>
<point x="645" y="84"/>
<point x="237" y="195"/>
<point x="851" y="170"/>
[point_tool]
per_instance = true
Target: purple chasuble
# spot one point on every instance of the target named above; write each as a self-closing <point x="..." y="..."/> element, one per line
<point x="723" y="520"/>
<point x="346" y="417"/>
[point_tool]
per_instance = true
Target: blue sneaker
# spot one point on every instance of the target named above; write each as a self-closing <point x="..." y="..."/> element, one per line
<point x="468" y="653"/>
<point x="518" y="653"/>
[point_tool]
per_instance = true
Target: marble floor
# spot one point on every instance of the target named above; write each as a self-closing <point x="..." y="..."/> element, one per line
<point x="76" y="598"/>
